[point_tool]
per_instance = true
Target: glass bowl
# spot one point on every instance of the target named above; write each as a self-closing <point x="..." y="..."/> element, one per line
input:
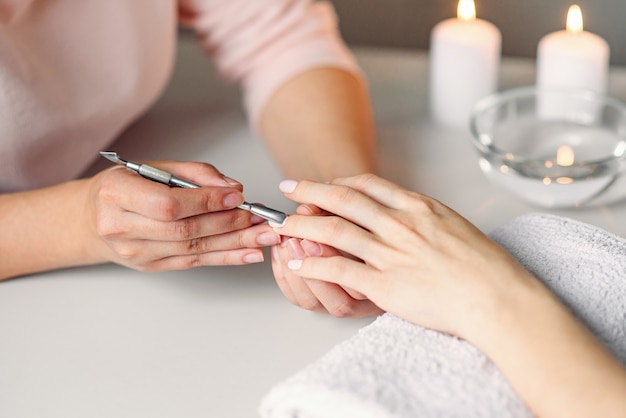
<point x="552" y="147"/>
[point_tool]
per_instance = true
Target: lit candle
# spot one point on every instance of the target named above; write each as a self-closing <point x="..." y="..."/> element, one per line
<point x="464" y="64"/>
<point x="573" y="57"/>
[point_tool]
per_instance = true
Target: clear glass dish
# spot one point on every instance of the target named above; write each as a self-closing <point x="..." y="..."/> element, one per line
<point x="553" y="147"/>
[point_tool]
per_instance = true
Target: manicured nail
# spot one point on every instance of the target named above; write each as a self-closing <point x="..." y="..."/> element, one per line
<point x="230" y="182"/>
<point x="274" y="253"/>
<point x="268" y="238"/>
<point x="294" y="264"/>
<point x="255" y="257"/>
<point x="256" y="219"/>
<point x="305" y="209"/>
<point x="288" y="186"/>
<point x="295" y="249"/>
<point x="233" y="200"/>
<point x="276" y="224"/>
<point x="312" y="248"/>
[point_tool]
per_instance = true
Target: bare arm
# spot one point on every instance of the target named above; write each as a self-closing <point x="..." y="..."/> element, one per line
<point x="551" y="360"/>
<point x="319" y="125"/>
<point x="43" y="230"/>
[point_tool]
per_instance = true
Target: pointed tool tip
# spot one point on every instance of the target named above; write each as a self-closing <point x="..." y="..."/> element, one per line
<point x="112" y="156"/>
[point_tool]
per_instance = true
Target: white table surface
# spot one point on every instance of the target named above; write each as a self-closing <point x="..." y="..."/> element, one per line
<point x="106" y="341"/>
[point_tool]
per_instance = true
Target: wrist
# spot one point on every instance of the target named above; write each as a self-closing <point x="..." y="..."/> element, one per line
<point x="518" y="305"/>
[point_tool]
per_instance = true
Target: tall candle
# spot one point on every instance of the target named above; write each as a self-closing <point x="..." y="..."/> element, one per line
<point x="464" y="64"/>
<point x="573" y="57"/>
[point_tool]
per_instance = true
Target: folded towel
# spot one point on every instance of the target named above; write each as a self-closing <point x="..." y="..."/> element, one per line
<point x="394" y="369"/>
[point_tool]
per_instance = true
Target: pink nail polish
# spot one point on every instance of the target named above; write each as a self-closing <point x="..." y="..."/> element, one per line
<point x="287" y="186"/>
<point x="250" y="258"/>
<point x="268" y="238"/>
<point x="312" y="248"/>
<point x="295" y="249"/>
<point x="233" y="200"/>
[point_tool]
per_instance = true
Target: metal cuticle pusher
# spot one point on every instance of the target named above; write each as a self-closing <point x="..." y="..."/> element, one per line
<point x="162" y="176"/>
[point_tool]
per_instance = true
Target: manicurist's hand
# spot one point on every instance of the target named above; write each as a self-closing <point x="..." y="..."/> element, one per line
<point x="315" y="295"/>
<point x="149" y="226"/>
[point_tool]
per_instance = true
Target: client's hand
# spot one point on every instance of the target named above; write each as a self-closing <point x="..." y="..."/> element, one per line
<point x="410" y="254"/>
<point x="149" y="226"/>
<point x="315" y="295"/>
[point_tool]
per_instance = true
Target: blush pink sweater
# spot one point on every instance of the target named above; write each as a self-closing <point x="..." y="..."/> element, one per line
<point x="75" y="73"/>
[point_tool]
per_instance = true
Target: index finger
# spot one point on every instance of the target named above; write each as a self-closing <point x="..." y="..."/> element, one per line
<point x="344" y="201"/>
<point x="154" y="200"/>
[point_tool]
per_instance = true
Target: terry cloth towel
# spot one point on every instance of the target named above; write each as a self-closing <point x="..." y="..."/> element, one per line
<point x="392" y="368"/>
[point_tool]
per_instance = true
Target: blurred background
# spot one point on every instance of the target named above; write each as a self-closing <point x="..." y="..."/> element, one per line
<point x="407" y="23"/>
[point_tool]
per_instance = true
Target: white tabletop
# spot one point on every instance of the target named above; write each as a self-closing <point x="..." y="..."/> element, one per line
<point x="106" y="341"/>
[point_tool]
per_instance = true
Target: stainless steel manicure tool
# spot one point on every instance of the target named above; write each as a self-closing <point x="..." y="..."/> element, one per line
<point x="161" y="176"/>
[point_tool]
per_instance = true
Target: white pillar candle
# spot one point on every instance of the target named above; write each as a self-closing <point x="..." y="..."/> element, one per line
<point x="464" y="65"/>
<point x="573" y="57"/>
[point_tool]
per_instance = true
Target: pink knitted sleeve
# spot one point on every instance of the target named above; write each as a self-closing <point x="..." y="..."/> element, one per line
<point x="262" y="43"/>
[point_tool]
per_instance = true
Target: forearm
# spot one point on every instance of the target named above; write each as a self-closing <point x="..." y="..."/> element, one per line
<point x="319" y="126"/>
<point x="551" y="360"/>
<point x="43" y="230"/>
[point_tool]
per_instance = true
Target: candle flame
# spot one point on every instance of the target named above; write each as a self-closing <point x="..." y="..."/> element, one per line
<point x="574" y="19"/>
<point x="466" y="10"/>
<point x="565" y="156"/>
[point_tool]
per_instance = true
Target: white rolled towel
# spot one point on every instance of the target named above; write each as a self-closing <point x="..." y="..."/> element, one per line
<point x="394" y="369"/>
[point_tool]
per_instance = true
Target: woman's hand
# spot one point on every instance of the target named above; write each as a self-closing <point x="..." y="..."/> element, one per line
<point x="315" y="295"/>
<point x="151" y="227"/>
<point x="415" y="257"/>
<point x="410" y="254"/>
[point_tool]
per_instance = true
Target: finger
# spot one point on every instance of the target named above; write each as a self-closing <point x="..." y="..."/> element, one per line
<point x="309" y="209"/>
<point x="135" y="194"/>
<point x="341" y="271"/>
<point x="203" y="174"/>
<point x="338" y="302"/>
<point x="314" y="249"/>
<point x="130" y="225"/>
<point x="383" y="191"/>
<point x="280" y="275"/>
<point x="333" y="298"/>
<point x="290" y="283"/>
<point x="344" y="201"/>
<point x="143" y="250"/>
<point x="335" y="232"/>
<point x="217" y="258"/>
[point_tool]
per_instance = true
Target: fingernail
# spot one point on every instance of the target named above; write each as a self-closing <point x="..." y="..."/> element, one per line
<point x="295" y="250"/>
<point x="274" y="253"/>
<point x="305" y="210"/>
<point x="294" y="264"/>
<point x="312" y="248"/>
<point x="256" y="219"/>
<point x="255" y="257"/>
<point x="274" y="224"/>
<point x="268" y="238"/>
<point x="230" y="182"/>
<point x="233" y="200"/>
<point x="287" y="186"/>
